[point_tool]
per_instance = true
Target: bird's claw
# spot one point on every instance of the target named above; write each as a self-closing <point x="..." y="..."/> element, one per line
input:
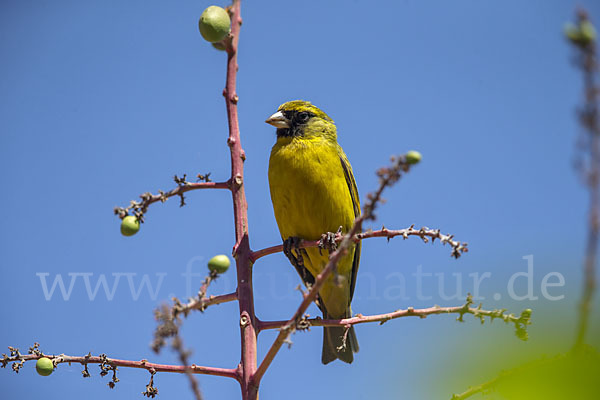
<point x="302" y="323"/>
<point x="293" y="243"/>
<point x="328" y="242"/>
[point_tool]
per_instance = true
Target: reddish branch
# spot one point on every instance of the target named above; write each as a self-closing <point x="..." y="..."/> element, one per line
<point x="201" y="304"/>
<point x="520" y="321"/>
<point x="142" y="364"/>
<point x="424" y="233"/>
<point x="139" y="208"/>
<point x="201" y="301"/>
<point x="241" y="249"/>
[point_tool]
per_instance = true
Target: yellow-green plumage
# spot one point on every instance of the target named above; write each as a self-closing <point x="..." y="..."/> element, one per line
<point x="313" y="192"/>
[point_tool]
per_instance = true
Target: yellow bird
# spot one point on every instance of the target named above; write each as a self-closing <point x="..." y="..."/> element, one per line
<point x="314" y="193"/>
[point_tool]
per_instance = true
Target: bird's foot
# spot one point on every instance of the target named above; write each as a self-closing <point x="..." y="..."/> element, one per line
<point x="328" y="242"/>
<point x="290" y="244"/>
<point x="302" y="323"/>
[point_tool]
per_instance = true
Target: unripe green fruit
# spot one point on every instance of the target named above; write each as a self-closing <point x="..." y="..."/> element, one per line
<point x="219" y="264"/>
<point x="413" y="157"/>
<point x="214" y="24"/>
<point x="44" y="366"/>
<point x="130" y="225"/>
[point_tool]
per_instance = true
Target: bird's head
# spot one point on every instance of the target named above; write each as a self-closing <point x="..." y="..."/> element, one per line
<point x="299" y="118"/>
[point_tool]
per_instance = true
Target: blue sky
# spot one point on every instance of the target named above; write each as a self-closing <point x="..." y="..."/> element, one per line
<point x="102" y="101"/>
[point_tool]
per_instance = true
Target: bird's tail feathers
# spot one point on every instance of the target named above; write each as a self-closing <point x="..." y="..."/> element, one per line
<point x="338" y="343"/>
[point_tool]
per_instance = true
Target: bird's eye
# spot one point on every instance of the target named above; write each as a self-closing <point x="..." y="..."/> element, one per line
<point x="303" y="116"/>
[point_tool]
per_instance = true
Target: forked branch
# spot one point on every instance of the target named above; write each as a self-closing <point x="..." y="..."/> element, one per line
<point x="16" y="357"/>
<point x="139" y="208"/>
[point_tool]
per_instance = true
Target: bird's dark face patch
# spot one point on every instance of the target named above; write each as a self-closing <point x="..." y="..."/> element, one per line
<point x="300" y="115"/>
<point x="297" y="120"/>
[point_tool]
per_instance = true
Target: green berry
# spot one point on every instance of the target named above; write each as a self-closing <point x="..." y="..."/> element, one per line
<point x="413" y="157"/>
<point x="219" y="263"/>
<point x="214" y="24"/>
<point x="44" y="366"/>
<point x="130" y="225"/>
<point x="588" y="32"/>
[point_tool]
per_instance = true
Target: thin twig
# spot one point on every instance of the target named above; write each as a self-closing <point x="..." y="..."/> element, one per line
<point x="426" y="234"/>
<point x="177" y="345"/>
<point x="202" y="304"/>
<point x="142" y="364"/>
<point x="201" y="301"/>
<point x="139" y="208"/>
<point x="520" y="321"/>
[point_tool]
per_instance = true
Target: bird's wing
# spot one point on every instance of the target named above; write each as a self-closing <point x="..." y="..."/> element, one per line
<point x="356" y="205"/>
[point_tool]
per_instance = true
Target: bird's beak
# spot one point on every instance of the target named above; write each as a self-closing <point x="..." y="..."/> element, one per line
<point x="278" y="120"/>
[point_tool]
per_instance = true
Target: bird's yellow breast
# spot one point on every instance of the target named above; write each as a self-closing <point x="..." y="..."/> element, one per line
<point x="309" y="190"/>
